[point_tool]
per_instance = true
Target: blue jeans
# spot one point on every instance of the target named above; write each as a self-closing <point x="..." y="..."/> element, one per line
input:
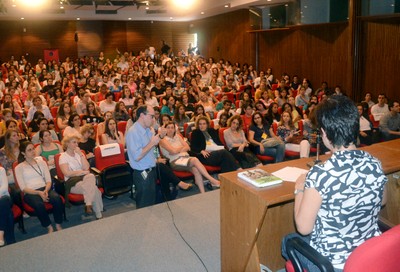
<point x="7" y="219"/>
<point x="305" y="262"/>
<point x="278" y="152"/>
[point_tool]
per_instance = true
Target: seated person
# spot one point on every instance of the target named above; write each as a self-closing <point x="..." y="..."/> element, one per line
<point x="74" y="126"/>
<point x="6" y="215"/>
<point x="237" y="143"/>
<point x="173" y="147"/>
<point x="390" y="122"/>
<point x="263" y="138"/>
<point x="107" y="104"/>
<point x="78" y="179"/>
<point x="48" y="149"/>
<point x="43" y="125"/>
<point x="365" y="134"/>
<point x="87" y="143"/>
<point x="111" y="134"/>
<point x="227" y="109"/>
<point x="92" y="116"/>
<point x="34" y="180"/>
<point x="207" y="147"/>
<point x="335" y="228"/>
<point x="291" y="136"/>
<point x="120" y="112"/>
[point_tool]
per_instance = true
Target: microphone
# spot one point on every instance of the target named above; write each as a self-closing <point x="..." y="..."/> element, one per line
<point x="317" y="160"/>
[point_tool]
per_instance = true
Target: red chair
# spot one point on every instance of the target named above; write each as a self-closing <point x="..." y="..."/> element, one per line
<point x="237" y="104"/>
<point x="73" y="198"/>
<point x="114" y="172"/>
<point x="230" y="97"/>
<point x="375" y="124"/>
<point x="122" y="126"/>
<point x="221" y="136"/>
<point x="54" y="111"/>
<point x="28" y="209"/>
<point x="18" y="218"/>
<point x="380" y="253"/>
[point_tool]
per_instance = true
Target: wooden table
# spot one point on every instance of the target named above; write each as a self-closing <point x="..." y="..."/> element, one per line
<point x="254" y="220"/>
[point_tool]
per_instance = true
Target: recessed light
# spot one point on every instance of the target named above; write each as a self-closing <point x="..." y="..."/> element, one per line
<point x="269" y="0"/>
<point x="227" y="6"/>
<point x="171" y="18"/>
<point x="78" y="19"/>
<point x="129" y="18"/>
<point x="62" y="7"/>
<point x="14" y="5"/>
<point x="286" y="5"/>
<point x="305" y="7"/>
<point x="147" y="8"/>
<point x="202" y="12"/>
<point x="22" y="18"/>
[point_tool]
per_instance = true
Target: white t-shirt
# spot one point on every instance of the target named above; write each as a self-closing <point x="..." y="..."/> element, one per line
<point x="74" y="162"/>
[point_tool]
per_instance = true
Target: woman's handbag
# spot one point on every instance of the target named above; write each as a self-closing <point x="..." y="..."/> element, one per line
<point x="271" y="142"/>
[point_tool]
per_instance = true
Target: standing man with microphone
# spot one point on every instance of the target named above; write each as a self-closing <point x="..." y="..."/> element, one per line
<point x="141" y="142"/>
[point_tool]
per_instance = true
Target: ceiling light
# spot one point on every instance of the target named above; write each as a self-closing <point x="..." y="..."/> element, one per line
<point x="22" y="18"/>
<point x="227" y="6"/>
<point x="171" y="18"/>
<point x="78" y="19"/>
<point x="33" y="3"/>
<point x="129" y="18"/>
<point x="286" y="5"/>
<point x="202" y="12"/>
<point x="147" y="7"/>
<point x="269" y="0"/>
<point x="62" y="7"/>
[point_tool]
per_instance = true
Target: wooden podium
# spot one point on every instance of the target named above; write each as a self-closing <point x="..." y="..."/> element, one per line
<point x="254" y="220"/>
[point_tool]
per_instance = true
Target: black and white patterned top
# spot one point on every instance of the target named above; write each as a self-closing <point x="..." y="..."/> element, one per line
<point x="351" y="185"/>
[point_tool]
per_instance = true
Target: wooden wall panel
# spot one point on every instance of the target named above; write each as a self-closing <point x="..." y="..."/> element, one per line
<point x="29" y="38"/>
<point x="320" y="53"/>
<point x="114" y="37"/>
<point x="90" y="38"/>
<point x="381" y="59"/>
<point x="225" y="36"/>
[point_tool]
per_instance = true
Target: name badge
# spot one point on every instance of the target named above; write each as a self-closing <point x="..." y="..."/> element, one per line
<point x="264" y="136"/>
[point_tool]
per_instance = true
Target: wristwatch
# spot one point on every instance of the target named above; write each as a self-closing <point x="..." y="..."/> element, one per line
<point x="297" y="191"/>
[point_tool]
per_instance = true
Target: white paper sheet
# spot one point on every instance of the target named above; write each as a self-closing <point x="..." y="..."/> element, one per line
<point x="290" y="173"/>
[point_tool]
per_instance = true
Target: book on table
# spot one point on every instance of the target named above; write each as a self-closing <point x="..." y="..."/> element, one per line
<point x="259" y="178"/>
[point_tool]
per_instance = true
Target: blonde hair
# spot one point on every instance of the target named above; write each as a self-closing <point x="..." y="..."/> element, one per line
<point x="87" y="127"/>
<point x="67" y="139"/>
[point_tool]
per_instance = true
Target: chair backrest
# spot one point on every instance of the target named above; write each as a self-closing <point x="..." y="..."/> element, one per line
<point x="54" y="111"/>
<point x="375" y="123"/>
<point x="122" y="126"/>
<point x="221" y="136"/>
<point x="379" y="253"/>
<point x="60" y="174"/>
<point x="275" y="127"/>
<point x="103" y="162"/>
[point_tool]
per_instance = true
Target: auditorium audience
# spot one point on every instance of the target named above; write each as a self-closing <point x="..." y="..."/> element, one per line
<point x="190" y="89"/>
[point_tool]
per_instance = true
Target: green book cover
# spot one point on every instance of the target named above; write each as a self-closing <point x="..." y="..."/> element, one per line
<point x="259" y="178"/>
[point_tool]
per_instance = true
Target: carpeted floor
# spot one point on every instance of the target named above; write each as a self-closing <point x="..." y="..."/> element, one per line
<point x="76" y="216"/>
<point x="135" y="240"/>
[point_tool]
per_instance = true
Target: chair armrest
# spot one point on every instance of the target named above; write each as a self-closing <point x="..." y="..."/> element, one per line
<point x="95" y="170"/>
<point x="384" y="224"/>
<point x="296" y="244"/>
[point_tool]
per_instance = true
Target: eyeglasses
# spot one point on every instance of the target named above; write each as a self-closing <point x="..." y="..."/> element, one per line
<point x="151" y="115"/>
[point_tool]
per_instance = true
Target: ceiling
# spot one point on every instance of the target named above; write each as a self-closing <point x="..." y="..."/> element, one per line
<point x="123" y="10"/>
